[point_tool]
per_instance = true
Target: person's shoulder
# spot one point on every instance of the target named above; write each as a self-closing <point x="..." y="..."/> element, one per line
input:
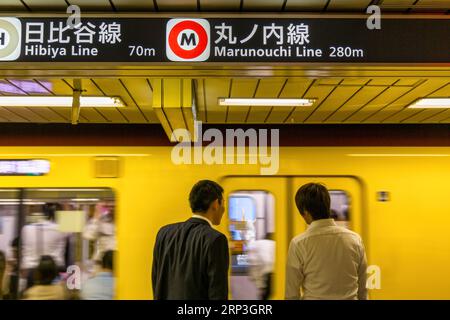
<point x="215" y="236"/>
<point x="300" y="238"/>
<point x="170" y="227"/>
<point x="349" y="232"/>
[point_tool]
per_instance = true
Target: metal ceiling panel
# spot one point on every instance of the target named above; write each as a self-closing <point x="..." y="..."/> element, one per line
<point x="114" y="87"/>
<point x="351" y="5"/>
<point x="12" y="5"/>
<point x="442" y="117"/>
<point x="11" y="116"/>
<point x="314" y="92"/>
<point x="294" y="88"/>
<point x="142" y="95"/>
<point x="305" y="5"/>
<point x="133" y="5"/>
<point x="111" y="114"/>
<point x="421" y="115"/>
<point x="355" y="81"/>
<point x="28" y="113"/>
<point x="214" y="89"/>
<point x="177" y="5"/>
<point x="241" y="88"/>
<point x="388" y="96"/>
<point x="411" y="115"/>
<point x="337" y="99"/>
<point x="210" y="5"/>
<point x="382" y="82"/>
<point x="46" y="5"/>
<point x="267" y="88"/>
<point x="360" y="99"/>
<point x="265" y="5"/>
<point x="56" y="86"/>
<point x="89" y="5"/>
<point x="422" y="90"/>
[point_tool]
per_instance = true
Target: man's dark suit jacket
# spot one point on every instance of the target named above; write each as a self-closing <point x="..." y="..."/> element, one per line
<point x="190" y="262"/>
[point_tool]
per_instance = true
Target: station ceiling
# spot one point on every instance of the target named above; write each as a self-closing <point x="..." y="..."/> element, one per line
<point x="339" y="100"/>
<point x="327" y="6"/>
<point x="367" y="94"/>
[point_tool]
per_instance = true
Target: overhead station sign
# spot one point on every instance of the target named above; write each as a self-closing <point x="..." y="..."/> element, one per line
<point x="228" y="40"/>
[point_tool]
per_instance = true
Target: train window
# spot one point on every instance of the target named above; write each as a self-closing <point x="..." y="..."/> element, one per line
<point x="251" y="227"/>
<point x="74" y="226"/>
<point x="340" y="207"/>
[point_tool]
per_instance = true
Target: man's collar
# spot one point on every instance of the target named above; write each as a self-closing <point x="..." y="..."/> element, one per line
<point x="322" y="223"/>
<point x="203" y="218"/>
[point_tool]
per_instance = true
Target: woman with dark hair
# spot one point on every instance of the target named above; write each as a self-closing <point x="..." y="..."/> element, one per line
<point x="44" y="277"/>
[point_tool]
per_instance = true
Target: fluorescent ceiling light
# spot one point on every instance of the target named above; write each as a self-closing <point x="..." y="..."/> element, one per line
<point x="431" y="103"/>
<point x="266" y="102"/>
<point x="59" y="101"/>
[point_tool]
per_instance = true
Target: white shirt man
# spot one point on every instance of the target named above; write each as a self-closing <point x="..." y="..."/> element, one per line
<point x="42" y="238"/>
<point x="326" y="262"/>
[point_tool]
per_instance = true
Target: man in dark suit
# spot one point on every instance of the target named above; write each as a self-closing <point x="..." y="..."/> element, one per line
<point x="190" y="259"/>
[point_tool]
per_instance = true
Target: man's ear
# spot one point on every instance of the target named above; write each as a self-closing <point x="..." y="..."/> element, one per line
<point x="215" y="204"/>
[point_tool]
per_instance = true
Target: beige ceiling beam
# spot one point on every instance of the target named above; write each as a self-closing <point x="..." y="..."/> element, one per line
<point x="173" y="103"/>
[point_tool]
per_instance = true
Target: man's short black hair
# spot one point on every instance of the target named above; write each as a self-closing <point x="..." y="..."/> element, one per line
<point x="50" y="209"/>
<point x="204" y="193"/>
<point x="46" y="271"/>
<point x="107" y="260"/>
<point x="314" y="198"/>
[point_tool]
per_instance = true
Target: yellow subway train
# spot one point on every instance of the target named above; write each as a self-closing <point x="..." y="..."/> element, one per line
<point x="396" y="198"/>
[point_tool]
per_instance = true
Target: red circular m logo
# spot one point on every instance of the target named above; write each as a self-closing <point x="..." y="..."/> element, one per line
<point x="187" y="40"/>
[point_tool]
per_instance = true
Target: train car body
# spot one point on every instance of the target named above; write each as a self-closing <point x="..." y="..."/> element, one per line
<point x="399" y="203"/>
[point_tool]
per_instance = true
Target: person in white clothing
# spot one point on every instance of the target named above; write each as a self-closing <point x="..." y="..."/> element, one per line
<point x="261" y="255"/>
<point x="327" y="261"/>
<point x="42" y="238"/>
<point x="101" y="229"/>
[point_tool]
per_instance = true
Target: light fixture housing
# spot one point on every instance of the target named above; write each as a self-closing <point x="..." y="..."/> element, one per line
<point x="431" y="103"/>
<point x="60" y="101"/>
<point x="276" y="102"/>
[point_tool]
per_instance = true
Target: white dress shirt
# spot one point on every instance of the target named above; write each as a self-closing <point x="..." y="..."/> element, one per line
<point x="326" y="262"/>
<point x="42" y="238"/>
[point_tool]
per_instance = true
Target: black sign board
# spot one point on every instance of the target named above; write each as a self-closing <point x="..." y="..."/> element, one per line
<point x="228" y="40"/>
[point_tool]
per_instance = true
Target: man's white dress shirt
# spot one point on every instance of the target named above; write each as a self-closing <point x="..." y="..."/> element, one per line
<point x="326" y="262"/>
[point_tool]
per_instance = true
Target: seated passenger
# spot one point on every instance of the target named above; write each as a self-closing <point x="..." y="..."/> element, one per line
<point x="45" y="287"/>
<point x="326" y="261"/>
<point x="101" y="286"/>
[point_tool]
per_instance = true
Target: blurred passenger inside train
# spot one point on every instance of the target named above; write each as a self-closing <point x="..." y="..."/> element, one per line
<point x="326" y="261"/>
<point x="2" y="272"/>
<point x="261" y="256"/>
<point x="190" y="259"/>
<point x="47" y="286"/>
<point x="101" y="230"/>
<point x="11" y="273"/>
<point x="101" y="286"/>
<point x="41" y="238"/>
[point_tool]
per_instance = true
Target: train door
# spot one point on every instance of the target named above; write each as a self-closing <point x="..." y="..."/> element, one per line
<point x="72" y="225"/>
<point x="346" y="205"/>
<point x="256" y="218"/>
